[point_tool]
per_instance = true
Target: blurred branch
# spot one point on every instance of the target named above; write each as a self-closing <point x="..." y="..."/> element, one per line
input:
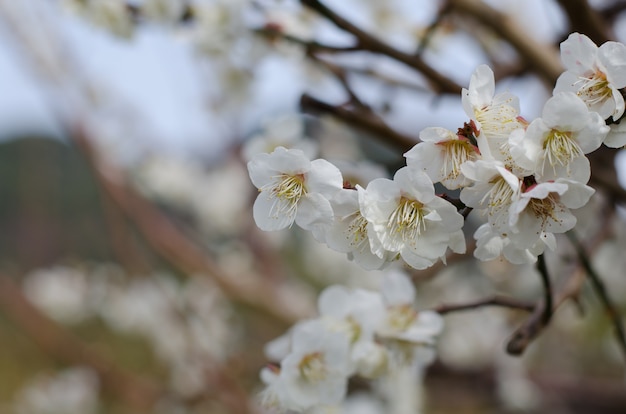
<point x="310" y="46"/>
<point x="359" y="120"/>
<point x="584" y="19"/>
<point x="547" y="289"/>
<point x="60" y="344"/>
<point x="497" y="300"/>
<point x="601" y="291"/>
<point x="368" y="42"/>
<point x="171" y="243"/>
<point x="543" y="58"/>
<point x="526" y="333"/>
<point x="123" y="244"/>
<point x="610" y="12"/>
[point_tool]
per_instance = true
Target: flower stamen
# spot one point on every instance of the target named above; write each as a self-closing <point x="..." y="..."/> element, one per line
<point x="407" y="220"/>
<point x="286" y="190"/>
<point x="594" y="89"/>
<point x="560" y="148"/>
<point x="312" y="367"/>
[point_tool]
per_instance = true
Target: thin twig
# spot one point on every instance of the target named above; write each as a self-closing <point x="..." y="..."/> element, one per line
<point x="496" y="300"/>
<point x="542" y="57"/>
<point x="601" y="291"/>
<point x="368" y="42"/>
<point x="312" y="46"/>
<point x="360" y="120"/>
<point x="430" y="30"/>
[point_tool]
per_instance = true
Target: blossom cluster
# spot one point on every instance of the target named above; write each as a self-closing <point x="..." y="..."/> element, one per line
<point x="358" y="332"/>
<point x="524" y="177"/>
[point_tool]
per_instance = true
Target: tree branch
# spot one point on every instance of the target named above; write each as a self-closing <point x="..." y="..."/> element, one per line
<point x="496" y="300"/>
<point x="359" y="120"/>
<point x="538" y="320"/>
<point x="543" y="58"/>
<point x="584" y="19"/>
<point x="601" y="291"/>
<point x="172" y="244"/>
<point x="368" y="42"/>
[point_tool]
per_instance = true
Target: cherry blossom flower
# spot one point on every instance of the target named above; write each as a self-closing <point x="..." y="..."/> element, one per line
<point x="316" y="370"/>
<point x="292" y="188"/>
<point x="403" y="322"/>
<point x="407" y="218"/>
<point x="494" y="189"/>
<point x="349" y="231"/>
<point x="440" y="155"/>
<point x="357" y="314"/>
<point x="490" y="244"/>
<point x="494" y="117"/>
<point x="555" y="144"/>
<point x="545" y="208"/>
<point x="594" y="73"/>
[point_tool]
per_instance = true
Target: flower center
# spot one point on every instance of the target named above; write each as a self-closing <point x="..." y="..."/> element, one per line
<point x="286" y="190"/>
<point x="456" y="152"/>
<point x="357" y="232"/>
<point x="543" y="208"/>
<point x="401" y="317"/>
<point x="312" y="367"/>
<point x="560" y="148"/>
<point x="407" y="220"/>
<point x="497" y="121"/>
<point x="594" y="89"/>
<point x="500" y="193"/>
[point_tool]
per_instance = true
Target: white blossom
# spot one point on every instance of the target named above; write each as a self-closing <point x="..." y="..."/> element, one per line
<point x="555" y="145"/>
<point x="494" y="116"/>
<point x="594" y="73"/>
<point x="349" y="231"/>
<point x="406" y="217"/>
<point x="356" y="313"/>
<point x="490" y="244"/>
<point x="494" y="189"/>
<point x="545" y="208"/>
<point x="71" y="391"/>
<point x="316" y="370"/>
<point x="403" y="322"/>
<point x="292" y="188"/>
<point x="440" y="155"/>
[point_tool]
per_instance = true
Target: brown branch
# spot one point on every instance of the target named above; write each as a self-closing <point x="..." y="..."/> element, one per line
<point x="543" y="58"/>
<point x="359" y="120"/>
<point x="173" y="245"/>
<point x="601" y="291"/>
<point x="137" y="392"/>
<point x="310" y="46"/>
<point x="584" y="19"/>
<point x="547" y="289"/>
<point x="525" y="334"/>
<point x="496" y="300"/>
<point x="368" y="42"/>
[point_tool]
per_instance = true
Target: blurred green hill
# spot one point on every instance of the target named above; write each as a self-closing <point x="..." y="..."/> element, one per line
<point x="50" y="206"/>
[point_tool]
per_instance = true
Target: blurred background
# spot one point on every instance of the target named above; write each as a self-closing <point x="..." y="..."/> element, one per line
<point x="132" y="276"/>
